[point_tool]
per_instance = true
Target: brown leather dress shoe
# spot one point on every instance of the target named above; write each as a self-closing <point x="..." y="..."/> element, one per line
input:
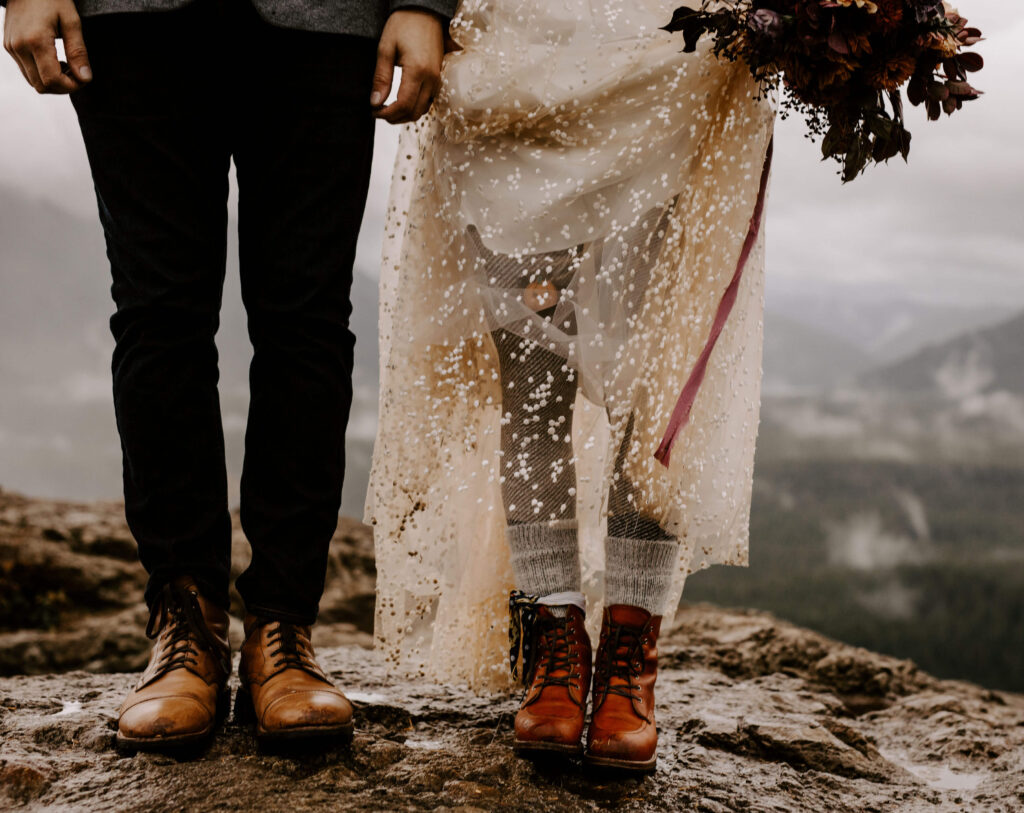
<point x="555" y="706"/>
<point x="183" y="693"/>
<point x="622" y="732"/>
<point x="283" y="689"/>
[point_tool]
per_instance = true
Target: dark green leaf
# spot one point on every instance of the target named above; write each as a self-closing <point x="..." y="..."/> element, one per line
<point x="896" y="100"/>
<point x="904" y="142"/>
<point x="881" y="127"/>
<point x="834" y="142"/>
<point x="856" y="160"/>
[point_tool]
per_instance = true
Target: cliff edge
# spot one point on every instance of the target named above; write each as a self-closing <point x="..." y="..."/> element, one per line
<point x="755" y="714"/>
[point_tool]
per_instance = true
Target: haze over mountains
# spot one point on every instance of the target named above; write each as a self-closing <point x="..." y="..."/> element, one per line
<point x="837" y="336"/>
<point x="57" y="435"/>
<point x="889" y="466"/>
<point x="57" y="431"/>
<point x="984" y="360"/>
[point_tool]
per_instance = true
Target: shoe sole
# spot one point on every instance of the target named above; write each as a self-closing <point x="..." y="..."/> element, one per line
<point x="245" y="714"/>
<point x="629" y="765"/>
<point x="539" y="747"/>
<point x="182" y="741"/>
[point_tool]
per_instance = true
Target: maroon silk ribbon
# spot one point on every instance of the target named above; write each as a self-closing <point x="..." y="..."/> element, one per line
<point x="681" y="413"/>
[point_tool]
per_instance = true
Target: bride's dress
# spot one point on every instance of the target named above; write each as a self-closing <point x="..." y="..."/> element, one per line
<point x="616" y="176"/>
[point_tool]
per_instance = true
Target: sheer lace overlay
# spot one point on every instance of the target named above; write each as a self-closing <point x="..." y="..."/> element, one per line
<point x="561" y="229"/>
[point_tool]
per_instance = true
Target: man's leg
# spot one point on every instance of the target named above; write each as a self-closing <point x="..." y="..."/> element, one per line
<point x="303" y="149"/>
<point x="159" y="160"/>
<point x="304" y="143"/>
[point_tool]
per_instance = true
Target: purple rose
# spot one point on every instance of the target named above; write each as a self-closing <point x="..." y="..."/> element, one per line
<point x="765" y="23"/>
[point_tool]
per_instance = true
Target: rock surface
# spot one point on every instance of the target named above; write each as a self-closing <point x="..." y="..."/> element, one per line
<point x="71" y="587"/>
<point x="754" y="714"/>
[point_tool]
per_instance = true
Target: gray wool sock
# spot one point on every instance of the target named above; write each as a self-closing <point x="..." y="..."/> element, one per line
<point x="638" y="572"/>
<point x="545" y="558"/>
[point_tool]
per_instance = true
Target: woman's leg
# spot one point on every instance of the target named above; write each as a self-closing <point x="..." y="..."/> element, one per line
<point x="538" y="473"/>
<point x="640" y="556"/>
<point x="538" y="488"/>
<point x="640" y="559"/>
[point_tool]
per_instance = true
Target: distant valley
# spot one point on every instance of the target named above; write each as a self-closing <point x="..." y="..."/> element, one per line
<point x="889" y="481"/>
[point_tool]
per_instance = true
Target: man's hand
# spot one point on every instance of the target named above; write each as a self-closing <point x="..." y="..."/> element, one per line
<point x="414" y="40"/>
<point x="31" y="31"/>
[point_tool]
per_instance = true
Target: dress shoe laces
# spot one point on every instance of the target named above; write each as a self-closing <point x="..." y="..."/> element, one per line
<point x="623" y="661"/>
<point x="291" y="650"/>
<point x="185" y="630"/>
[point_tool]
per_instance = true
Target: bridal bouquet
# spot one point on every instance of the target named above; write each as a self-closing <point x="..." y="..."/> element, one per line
<point x="843" y="64"/>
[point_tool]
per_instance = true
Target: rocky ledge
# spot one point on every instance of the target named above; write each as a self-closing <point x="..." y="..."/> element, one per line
<point x="754" y="713"/>
<point x="71" y="587"/>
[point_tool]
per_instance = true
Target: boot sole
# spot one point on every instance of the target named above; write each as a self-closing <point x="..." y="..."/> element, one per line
<point x="181" y="741"/>
<point x="245" y="713"/>
<point x="622" y="764"/>
<point x="528" y="747"/>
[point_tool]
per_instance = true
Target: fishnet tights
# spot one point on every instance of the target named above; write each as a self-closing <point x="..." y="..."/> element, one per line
<point x="539" y="391"/>
<point x="539" y="475"/>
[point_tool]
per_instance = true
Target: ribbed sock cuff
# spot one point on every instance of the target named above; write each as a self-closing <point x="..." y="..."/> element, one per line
<point x="638" y="572"/>
<point x="545" y="557"/>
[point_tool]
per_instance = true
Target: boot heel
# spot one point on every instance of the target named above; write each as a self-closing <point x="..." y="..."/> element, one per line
<point x="244" y="712"/>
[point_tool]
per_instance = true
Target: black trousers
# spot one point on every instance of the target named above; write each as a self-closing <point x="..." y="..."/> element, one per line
<point x="176" y="96"/>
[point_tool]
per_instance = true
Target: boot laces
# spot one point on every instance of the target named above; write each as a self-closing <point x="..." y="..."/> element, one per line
<point x="555" y="653"/>
<point x="537" y="641"/>
<point x="291" y="650"/>
<point x="622" y="662"/>
<point x="185" y="632"/>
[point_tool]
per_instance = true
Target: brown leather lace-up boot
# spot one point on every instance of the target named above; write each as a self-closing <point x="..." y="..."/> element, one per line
<point x="555" y="706"/>
<point x="283" y="689"/>
<point x="622" y="733"/>
<point x="183" y="693"/>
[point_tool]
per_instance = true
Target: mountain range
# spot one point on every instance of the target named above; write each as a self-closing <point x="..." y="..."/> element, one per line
<point x="57" y="435"/>
<point x="980" y="361"/>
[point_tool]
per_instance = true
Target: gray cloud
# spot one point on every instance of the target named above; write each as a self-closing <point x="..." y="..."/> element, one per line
<point x="945" y="228"/>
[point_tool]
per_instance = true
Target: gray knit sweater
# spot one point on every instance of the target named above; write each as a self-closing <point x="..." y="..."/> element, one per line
<point x="364" y="18"/>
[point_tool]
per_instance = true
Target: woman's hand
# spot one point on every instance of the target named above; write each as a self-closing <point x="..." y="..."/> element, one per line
<point x="31" y="31"/>
<point x="413" y="39"/>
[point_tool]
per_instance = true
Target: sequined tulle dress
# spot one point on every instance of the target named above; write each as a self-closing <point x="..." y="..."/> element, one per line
<point x="583" y="186"/>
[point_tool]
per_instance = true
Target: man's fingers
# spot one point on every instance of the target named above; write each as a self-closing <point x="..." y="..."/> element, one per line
<point x="52" y="78"/>
<point x="400" y="110"/>
<point x="74" y="47"/>
<point x="27" y="63"/>
<point x="424" y="100"/>
<point x="9" y="48"/>
<point x="414" y="40"/>
<point x="383" y="74"/>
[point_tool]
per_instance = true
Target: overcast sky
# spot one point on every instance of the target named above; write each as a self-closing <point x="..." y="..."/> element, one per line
<point x="949" y="227"/>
